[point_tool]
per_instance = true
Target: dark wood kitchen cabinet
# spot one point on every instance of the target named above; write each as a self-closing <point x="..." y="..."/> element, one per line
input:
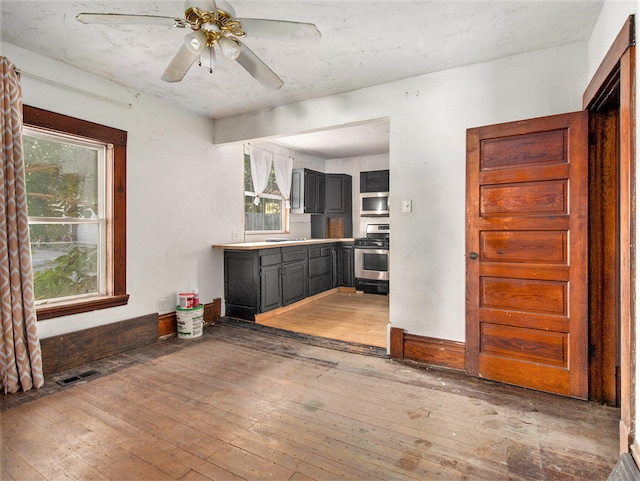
<point x="321" y="268"/>
<point x="293" y="274"/>
<point x="337" y="220"/>
<point x="374" y="181"/>
<point x="338" y="193"/>
<point x="345" y="265"/>
<point x="307" y="192"/>
<point x="261" y="280"/>
<point x="242" y="284"/>
<point x="270" y="286"/>
<point x="283" y="275"/>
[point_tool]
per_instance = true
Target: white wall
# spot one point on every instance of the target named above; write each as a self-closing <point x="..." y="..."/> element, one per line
<point x="612" y="17"/>
<point x="429" y="117"/>
<point x="178" y="187"/>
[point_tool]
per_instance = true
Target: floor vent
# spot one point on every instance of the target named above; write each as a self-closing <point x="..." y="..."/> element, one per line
<point x="76" y="378"/>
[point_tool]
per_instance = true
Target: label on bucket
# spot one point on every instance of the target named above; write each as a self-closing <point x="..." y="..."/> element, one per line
<point x="190" y="322"/>
<point x="186" y="300"/>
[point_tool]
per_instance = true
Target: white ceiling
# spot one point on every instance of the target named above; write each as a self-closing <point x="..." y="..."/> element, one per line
<point x="364" y="43"/>
<point x="341" y="142"/>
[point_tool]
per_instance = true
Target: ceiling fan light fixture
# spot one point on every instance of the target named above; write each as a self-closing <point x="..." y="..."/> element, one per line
<point x="229" y="47"/>
<point x="196" y="41"/>
<point x="210" y="27"/>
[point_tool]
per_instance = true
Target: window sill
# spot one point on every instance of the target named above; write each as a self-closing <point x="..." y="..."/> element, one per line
<point x="49" y="311"/>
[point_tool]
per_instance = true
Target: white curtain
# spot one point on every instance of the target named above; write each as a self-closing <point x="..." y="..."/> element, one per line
<point x="283" y="167"/>
<point x="260" y="168"/>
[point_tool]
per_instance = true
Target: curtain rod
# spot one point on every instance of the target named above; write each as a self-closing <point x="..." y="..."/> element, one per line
<point x="265" y="150"/>
<point x="73" y="89"/>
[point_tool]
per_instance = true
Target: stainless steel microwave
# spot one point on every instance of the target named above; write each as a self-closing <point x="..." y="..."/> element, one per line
<point x="374" y="204"/>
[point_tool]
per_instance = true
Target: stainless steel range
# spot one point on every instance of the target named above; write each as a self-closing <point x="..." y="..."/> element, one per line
<point x="372" y="260"/>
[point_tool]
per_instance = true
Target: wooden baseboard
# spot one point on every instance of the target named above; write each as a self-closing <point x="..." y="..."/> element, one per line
<point x="437" y="352"/>
<point x="167" y="323"/>
<point x="75" y="349"/>
<point x="67" y="351"/>
<point x="351" y="290"/>
<point x="396" y="343"/>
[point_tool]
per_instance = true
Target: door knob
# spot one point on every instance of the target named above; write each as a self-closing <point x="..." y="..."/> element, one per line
<point x="473" y="255"/>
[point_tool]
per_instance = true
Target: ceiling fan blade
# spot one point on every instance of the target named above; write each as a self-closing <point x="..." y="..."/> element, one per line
<point x="180" y="65"/>
<point x="258" y="69"/>
<point x="122" y="19"/>
<point x="280" y="30"/>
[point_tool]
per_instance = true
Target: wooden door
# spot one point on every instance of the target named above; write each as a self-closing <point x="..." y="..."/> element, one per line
<point x="527" y="249"/>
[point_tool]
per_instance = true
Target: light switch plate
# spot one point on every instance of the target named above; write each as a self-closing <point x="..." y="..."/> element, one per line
<point x="406" y="206"/>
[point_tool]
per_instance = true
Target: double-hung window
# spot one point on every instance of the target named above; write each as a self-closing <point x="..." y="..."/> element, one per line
<point x="76" y="197"/>
<point x="269" y="214"/>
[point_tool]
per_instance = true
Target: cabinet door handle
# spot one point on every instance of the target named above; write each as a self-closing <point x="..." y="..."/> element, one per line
<point x="473" y="256"/>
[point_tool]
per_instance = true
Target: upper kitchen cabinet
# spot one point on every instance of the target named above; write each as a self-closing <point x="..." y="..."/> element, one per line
<point x="374" y="181"/>
<point x="337" y="220"/>
<point x="307" y="192"/>
<point x="338" y="193"/>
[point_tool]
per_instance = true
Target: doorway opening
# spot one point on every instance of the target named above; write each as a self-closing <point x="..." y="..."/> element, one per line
<point x="341" y="314"/>
<point x="604" y="249"/>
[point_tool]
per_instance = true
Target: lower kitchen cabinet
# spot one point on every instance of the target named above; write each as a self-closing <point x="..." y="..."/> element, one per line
<point x="261" y="280"/>
<point x="320" y="268"/>
<point x="293" y="274"/>
<point x="345" y="265"/>
<point x="270" y="288"/>
<point x="282" y="276"/>
<point x="242" y="284"/>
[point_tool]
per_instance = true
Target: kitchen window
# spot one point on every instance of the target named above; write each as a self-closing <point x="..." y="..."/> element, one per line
<point x="75" y="175"/>
<point x="269" y="214"/>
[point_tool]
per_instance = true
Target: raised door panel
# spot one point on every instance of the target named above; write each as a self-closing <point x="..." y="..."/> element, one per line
<point x="335" y="194"/>
<point x="293" y="282"/>
<point x="345" y="266"/>
<point x="297" y="191"/>
<point x="314" y="191"/>
<point x="320" y="266"/>
<point x="270" y="288"/>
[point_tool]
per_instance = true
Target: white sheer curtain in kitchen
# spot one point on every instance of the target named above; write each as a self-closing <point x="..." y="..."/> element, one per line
<point x="283" y="167"/>
<point x="260" y="168"/>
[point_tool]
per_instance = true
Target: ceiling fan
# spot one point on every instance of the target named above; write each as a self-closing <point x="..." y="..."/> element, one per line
<point x="214" y="26"/>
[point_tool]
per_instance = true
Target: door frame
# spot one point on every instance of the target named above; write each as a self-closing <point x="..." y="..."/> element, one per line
<point x="617" y="72"/>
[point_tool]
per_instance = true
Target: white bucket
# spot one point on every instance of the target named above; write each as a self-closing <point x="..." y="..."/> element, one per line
<point x="190" y="322"/>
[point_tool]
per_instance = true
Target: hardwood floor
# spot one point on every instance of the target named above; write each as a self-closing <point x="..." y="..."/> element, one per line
<point x="346" y="316"/>
<point x="240" y="404"/>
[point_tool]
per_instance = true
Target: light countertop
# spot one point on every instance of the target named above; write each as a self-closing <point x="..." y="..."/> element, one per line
<point x="247" y="246"/>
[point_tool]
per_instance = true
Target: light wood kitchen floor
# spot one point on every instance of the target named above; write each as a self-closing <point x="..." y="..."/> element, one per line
<point x="345" y="316"/>
<point x="239" y="404"/>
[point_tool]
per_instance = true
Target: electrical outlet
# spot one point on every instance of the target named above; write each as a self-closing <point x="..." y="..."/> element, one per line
<point x="163" y="304"/>
<point x="235" y="235"/>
